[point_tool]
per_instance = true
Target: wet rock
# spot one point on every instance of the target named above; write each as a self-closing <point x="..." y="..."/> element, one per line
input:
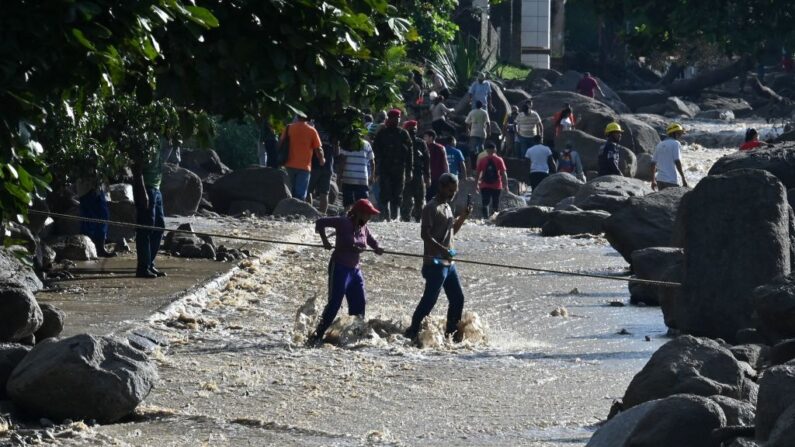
<point x="10" y="356"/>
<point x="589" y="147"/>
<point x="616" y="431"/>
<point x="52" y="324"/>
<point x="656" y="264"/>
<point x="679" y="107"/>
<point x="774" y="304"/>
<point x="14" y="270"/>
<point x="719" y="115"/>
<point x="182" y="191"/>
<point x="688" y="365"/>
<point x="208" y="251"/>
<point x="146" y="340"/>
<point x="776" y="395"/>
<point x="738" y="106"/>
<point x="779" y="161"/>
<point x="638" y="136"/>
<point x="295" y="207"/>
<point x="525" y="217"/>
<point x="266" y="186"/>
<point x="609" y="193"/>
<point x="74" y="248"/>
<point x="574" y="222"/>
<point x="82" y="377"/>
<point x="737" y="412"/>
<point x="644" y="167"/>
<point x="467" y="186"/>
<point x="203" y="162"/>
<point x="644" y="222"/>
<point x="635" y="99"/>
<point x="566" y="204"/>
<point x="555" y="188"/>
<point x="20" y="314"/>
<point x="752" y="354"/>
<point x="186" y="245"/>
<point x="783" y="433"/>
<point x="782" y="352"/>
<point x="728" y="221"/>
<point x="592" y="115"/>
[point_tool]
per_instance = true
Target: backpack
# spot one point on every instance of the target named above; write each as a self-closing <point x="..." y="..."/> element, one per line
<point x="566" y="163"/>
<point x="491" y="174"/>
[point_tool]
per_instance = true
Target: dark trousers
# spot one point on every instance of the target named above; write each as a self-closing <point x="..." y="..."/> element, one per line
<point x="536" y="178"/>
<point x="342" y="282"/>
<point x="95" y="205"/>
<point x="413" y="199"/>
<point x="147" y="242"/>
<point x="391" y="194"/>
<point x="489" y="195"/>
<point x="352" y="193"/>
<point x="431" y="193"/>
<point x="442" y="127"/>
<point x="438" y="277"/>
<point x="664" y="185"/>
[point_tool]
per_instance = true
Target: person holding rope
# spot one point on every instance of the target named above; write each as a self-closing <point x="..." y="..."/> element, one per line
<point x="437" y="229"/>
<point x="345" y="279"/>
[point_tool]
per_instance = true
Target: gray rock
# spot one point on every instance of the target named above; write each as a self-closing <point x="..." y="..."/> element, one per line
<point x="783" y="434"/>
<point x="656" y="264"/>
<point x="10" y="356"/>
<point x="574" y="222"/>
<point x="738" y="106"/>
<point x="678" y="107"/>
<point x="20" y="314"/>
<point x="592" y="115"/>
<point x="644" y="167"/>
<point x="203" y="162"/>
<point x="266" y="186"/>
<point x="774" y="304"/>
<point x="82" y="377"/>
<point x="568" y="82"/>
<point x="208" y="251"/>
<point x="638" y="136"/>
<point x="175" y="242"/>
<point x="635" y="99"/>
<point x="609" y="193"/>
<point x="753" y="354"/>
<point x="516" y="96"/>
<point x="555" y="188"/>
<point x="658" y="122"/>
<point x="465" y="187"/>
<point x="616" y="431"/>
<point x="737" y="412"/>
<point x="719" y="115"/>
<point x="688" y="365"/>
<point x="589" y="148"/>
<point x="121" y="192"/>
<point x="13" y="269"/>
<point x="295" y="207"/>
<point x="525" y="217"/>
<point x="644" y="222"/>
<point x="566" y="205"/>
<point x="779" y="161"/>
<point x="76" y="247"/>
<point x="182" y="191"/>
<point x="52" y="325"/>
<point x="728" y="221"/>
<point x="776" y="394"/>
<point x="682" y="421"/>
<point x="782" y="352"/>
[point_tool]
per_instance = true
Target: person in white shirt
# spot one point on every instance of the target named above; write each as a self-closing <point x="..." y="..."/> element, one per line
<point x="357" y="169"/>
<point x="541" y="162"/>
<point x="528" y="126"/>
<point x="667" y="160"/>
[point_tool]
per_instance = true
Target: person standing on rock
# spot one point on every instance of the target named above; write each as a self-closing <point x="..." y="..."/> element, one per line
<point x="480" y="91"/>
<point x="492" y="179"/>
<point x="528" y="126"/>
<point x="570" y="162"/>
<point x="147" y="176"/>
<point x="393" y="156"/>
<point x="345" y="279"/>
<point x="303" y="143"/>
<point x="542" y="162"/>
<point x="438" y="162"/>
<point x="437" y="229"/>
<point x="667" y="160"/>
<point x="609" y="155"/>
<point x="588" y="86"/>
<point x="479" y="126"/>
<point x="357" y="169"/>
<point x="439" y="113"/>
<point x="414" y="194"/>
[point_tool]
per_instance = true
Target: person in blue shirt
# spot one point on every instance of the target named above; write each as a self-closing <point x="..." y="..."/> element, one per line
<point x="455" y="158"/>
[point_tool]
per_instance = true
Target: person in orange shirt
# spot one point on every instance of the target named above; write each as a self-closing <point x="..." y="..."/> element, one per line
<point x="564" y="120"/>
<point x="304" y="142"/>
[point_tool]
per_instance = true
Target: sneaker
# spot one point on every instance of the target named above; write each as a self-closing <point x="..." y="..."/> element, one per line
<point x="145" y="274"/>
<point x="157" y="272"/>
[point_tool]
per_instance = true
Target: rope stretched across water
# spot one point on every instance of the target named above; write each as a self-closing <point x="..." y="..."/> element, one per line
<point x="389" y="252"/>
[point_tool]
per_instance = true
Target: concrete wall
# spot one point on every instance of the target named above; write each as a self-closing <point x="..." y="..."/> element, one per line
<point x="535" y="33"/>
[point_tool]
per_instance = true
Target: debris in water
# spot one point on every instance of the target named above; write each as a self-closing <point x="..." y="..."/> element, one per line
<point x="647" y="338"/>
<point x="574" y="291"/>
<point x="559" y="312"/>
<point x="306" y="320"/>
<point x="617" y="304"/>
<point x="623" y="331"/>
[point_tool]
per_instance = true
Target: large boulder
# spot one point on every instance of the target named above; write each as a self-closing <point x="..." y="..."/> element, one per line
<point x="568" y="82"/>
<point x="295" y="207"/>
<point x="592" y="115"/>
<point x="555" y="188"/>
<point x="638" y="136"/>
<point x="267" y="186"/>
<point x="10" y="356"/>
<point x="82" y="377"/>
<point x="574" y="222"/>
<point x="738" y="106"/>
<point x="203" y="162"/>
<point x="644" y="222"/>
<point x="52" y="323"/>
<point x="739" y="221"/>
<point x="658" y="122"/>
<point x="516" y="96"/>
<point x="783" y="433"/>
<point x="609" y="193"/>
<point x="77" y="247"/>
<point x="737" y="412"/>
<point x="13" y="269"/>
<point x="680" y="108"/>
<point x="466" y="187"/>
<point x="20" y="314"/>
<point x="182" y="191"/>
<point x="524" y="217"/>
<point x="616" y="431"/>
<point x="779" y="161"/>
<point x="635" y="99"/>
<point x="774" y="304"/>
<point x="589" y="148"/>
<point x="689" y="365"/>
<point x="776" y="394"/>
<point x="645" y="162"/>
<point x="655" y="264"/>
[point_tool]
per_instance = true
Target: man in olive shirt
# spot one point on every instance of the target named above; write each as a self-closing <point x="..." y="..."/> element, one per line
<point x="149" y="212"/>
<point x="438" y="228"/>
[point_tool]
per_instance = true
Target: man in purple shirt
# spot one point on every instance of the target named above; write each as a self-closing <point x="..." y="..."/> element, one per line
<point x="588" y="86"/>
<point x="438" y="158"/>
<point x="344" y="276"/>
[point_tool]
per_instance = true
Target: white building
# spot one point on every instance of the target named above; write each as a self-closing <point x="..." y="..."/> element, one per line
<point x="535" y="33"/>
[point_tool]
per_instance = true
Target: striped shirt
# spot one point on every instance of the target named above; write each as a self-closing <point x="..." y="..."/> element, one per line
<point x="357" y="165"/>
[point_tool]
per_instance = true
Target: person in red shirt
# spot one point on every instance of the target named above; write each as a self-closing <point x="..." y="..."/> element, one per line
<point x="588" y="86"/>
<point x="438" y="162"/>
<point x="492" y="178"/>
<point x="564" y="120"/>
<point x="752" y="141"/>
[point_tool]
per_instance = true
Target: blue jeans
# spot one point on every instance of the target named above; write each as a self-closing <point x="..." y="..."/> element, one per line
<point x="147" y="242"/>
<point x="95" y="205"/>
<point x="522" y="143"/>
<point x="298" y="181"/>
<point x="344" y="282"/>
<point x="438" y="277"/>
<point x="475" y="147"/>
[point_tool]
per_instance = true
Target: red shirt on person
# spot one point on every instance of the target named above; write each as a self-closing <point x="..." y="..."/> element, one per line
<point x="748" y="145"/>
<point x="438" y="161"/>
<point x="501" y="169"/>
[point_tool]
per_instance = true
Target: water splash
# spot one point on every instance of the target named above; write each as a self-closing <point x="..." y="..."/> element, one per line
<point x="306" y="319"/>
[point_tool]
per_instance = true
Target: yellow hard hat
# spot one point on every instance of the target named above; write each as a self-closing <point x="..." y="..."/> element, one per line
<point x="674" y="127"/>
<point x="612" y="127"/>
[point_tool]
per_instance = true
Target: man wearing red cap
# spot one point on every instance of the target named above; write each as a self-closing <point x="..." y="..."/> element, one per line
<point x="345" y="279"/>
<point x="393" y="155"/>
<point x="414" y="194"/>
